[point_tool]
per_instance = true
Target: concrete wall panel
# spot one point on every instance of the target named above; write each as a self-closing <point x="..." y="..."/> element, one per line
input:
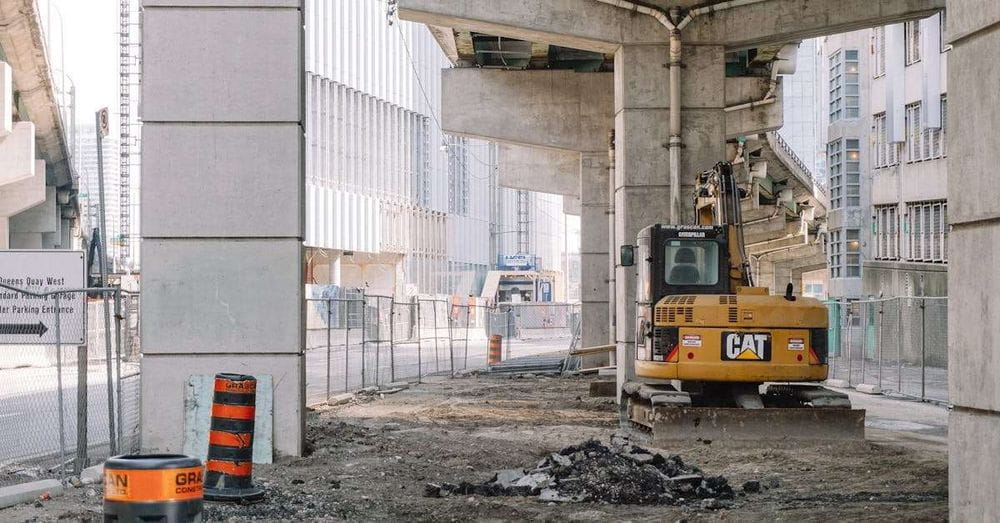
<point x="226" y="192"/>
<point x="245" y="65"/>
<point x="165" y="377"/>
<point x="222" y="296"/>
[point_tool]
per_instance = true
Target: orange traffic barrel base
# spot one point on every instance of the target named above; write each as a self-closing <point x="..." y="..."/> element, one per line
<point x="229" y="468"/>
<point x="154" y="487"/>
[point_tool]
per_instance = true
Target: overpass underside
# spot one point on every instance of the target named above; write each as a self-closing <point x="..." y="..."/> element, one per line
<point x="579" y="92"/>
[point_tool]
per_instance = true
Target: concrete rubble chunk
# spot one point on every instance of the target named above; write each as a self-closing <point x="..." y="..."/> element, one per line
<point x="27" y="492"/>
<point x="340" y="399"/>
<point x="93" y="474"/>
<point x="562" y="461"/>
<point x="506" y="478"/>
<point x="641" y="458"/>
<point x="535" y="481"/>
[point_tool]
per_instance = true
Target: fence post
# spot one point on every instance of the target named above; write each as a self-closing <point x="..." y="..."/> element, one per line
<point x="864" y="339"/>
<point x="850" y="356"/>
<point x="451" y="342"/>
<point x="378" y="336"/>
<point x="347" y="344"/>
<point x="59" y="385"/>
<point x="468" y="309"/>
<point x="364" y="308"/>
<point x="392" y="339"/>
<point x="329" y="365"/>
<point x="437" y="357"/>
<point x="923" y="349"/>
<point x="881" y="318"/>
<point x="419" y="336"/>
<point x="899" y="344"/>
<point x="81" y="408"/>
<point x="118" y="363"/>
<point x="112" y="444"/>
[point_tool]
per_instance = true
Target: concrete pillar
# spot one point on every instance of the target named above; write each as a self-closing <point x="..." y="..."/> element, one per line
<point x="974" y="307"/>
<point x="594" y="253"/>
<point x="334" y="267"/>
<point x="223" y="200"/>
<point x="642" y="134"/>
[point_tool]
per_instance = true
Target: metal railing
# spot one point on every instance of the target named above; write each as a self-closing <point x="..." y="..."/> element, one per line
<point x="356" y="340"/>
<point x="776" y="139"/>
<point x="65" y="405"/>
<point x="899" y="345"/>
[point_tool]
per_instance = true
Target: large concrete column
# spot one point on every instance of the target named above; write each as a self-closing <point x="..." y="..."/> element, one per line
<point x="223" y="203"/>
<point x="974" y="286"/>
<point x="642" y="135"/>
<point x="594" y="253"/>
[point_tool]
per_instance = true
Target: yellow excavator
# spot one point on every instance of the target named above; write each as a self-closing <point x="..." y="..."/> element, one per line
<point x="717" y="357"/>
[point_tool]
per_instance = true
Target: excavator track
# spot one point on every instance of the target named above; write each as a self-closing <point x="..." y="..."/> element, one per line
<point x="791" y="413"/>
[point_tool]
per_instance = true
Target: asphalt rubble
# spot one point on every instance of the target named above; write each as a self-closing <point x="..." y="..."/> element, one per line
<point x="620" y="473"/>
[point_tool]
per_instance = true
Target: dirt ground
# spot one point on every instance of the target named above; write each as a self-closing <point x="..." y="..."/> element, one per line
<point x="370" y="460"/>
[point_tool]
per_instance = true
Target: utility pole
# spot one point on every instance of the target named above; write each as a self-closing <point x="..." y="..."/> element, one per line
<point x="102" y="127"/>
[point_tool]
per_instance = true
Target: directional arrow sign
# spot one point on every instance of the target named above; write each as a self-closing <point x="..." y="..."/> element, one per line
<point x="23" y="328"/>
<point x="27" y="319"/>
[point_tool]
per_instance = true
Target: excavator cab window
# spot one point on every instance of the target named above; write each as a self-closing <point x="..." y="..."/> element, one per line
<point x="691" y="262"/>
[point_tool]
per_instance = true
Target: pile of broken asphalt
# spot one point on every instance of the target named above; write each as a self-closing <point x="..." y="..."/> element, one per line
<point x="618" y="474"/>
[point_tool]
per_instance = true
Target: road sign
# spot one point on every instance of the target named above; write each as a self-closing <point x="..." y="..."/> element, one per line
<point x="26" y="319"/>
<point x="102" y="121"/>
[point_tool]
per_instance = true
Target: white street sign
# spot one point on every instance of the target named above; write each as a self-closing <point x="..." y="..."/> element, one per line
<point x="26" y="319"/>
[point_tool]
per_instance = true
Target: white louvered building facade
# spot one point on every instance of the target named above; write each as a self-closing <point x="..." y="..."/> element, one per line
<point x="393" y="204"/>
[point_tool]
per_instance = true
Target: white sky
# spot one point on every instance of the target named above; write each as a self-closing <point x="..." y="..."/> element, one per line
<point x="91" y="29"/>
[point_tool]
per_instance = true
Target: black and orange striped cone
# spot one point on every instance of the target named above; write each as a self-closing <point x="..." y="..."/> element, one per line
<point x="229" y="468"/>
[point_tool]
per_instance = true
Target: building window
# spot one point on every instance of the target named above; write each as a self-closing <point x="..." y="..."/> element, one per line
<point x="886" y="232"/>
<point x="924" y="143"/>
<point x="852" y="246"/>
<point x="912" y="37"/>
<point x="458" y="176"/>
<point x="927" y="231"/>
<point x="844" y="157"/>
<point x="835" y="160"/>
<point x="885" y="154"/>
<point x="878" y="52"/>
<point x="845" y="86"/>
<point x="834" y="249"/>
<point x="844" y="249"/>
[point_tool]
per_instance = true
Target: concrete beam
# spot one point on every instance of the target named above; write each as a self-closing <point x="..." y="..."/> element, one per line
<point x="543" y="170"/>
<point x="17" y="153"/>
<point x="22" y="195"/>
<point x="22" y="39"/>
<point x="551" y="109"/>
<point x="603" y="28"/>
<point x="778" y="21"/>
<point x="41" y="218"/>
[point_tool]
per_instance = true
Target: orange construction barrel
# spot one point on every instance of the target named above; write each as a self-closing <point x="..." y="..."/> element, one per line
<point x="493" y="355"/>
<point x="154" y="487"/>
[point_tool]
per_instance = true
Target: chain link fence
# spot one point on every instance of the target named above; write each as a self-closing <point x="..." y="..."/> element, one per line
<point x="897" y="344"/>
<point x="63" y="405"/>
<point x="356" y="340"/>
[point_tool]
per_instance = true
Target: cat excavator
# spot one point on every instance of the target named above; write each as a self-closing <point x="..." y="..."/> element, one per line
<point x="716" y="357"/>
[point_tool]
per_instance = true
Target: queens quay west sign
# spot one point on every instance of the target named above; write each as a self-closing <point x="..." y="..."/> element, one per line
<point x="29" y="314"/>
